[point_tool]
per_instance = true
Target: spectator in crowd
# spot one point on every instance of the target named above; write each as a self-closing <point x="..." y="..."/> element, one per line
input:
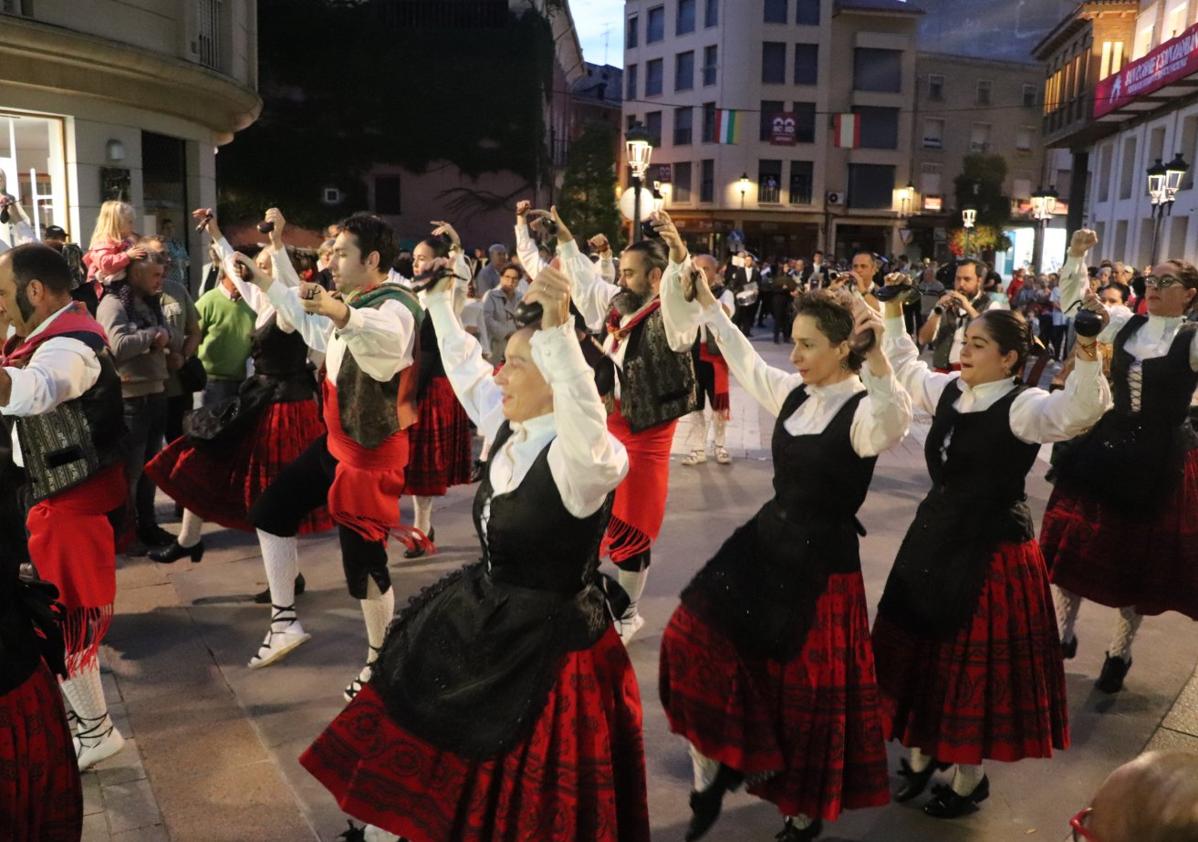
<point x="15" y="229"/>
<point x="183" y="322"/>
<point x="499" y="310"/>
<point x="139" y="337"/>
<point x="226" y="328"/>
<point x="820" y="273"/>
<point x="55" y="236"/>
<point x="488" y="277"/>
<point x="746" y="286"/>
<point x="175" y="251"/>
<point x="112" y="245"/>
<point x="1153" y="798"/>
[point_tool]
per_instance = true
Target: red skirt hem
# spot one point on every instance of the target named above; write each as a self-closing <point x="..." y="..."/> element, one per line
<point x="996" y="690"/>
<point x="814" y="724"/>
<point x="441" y="453"/>
<point x="1116" y="558"/>
<point x="219" y="482"/>
<point x="580" y="774"/>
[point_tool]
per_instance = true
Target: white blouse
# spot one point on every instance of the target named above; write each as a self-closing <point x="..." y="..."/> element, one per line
<point x="586" y="461"/>
<point x="1036" y="416"/>
<point x="880" y="421"/>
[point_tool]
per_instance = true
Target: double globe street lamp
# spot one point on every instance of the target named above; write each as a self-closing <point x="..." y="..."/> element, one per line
<point x="639" y="146"/>
<point x="969" y="218"/>
<point x="1044" y="205"/>
<point x="1164" y="180"/>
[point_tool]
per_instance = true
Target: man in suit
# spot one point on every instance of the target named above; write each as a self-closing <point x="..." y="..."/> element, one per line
<point x="746" y="284"/>
<point x="819" y="274"/>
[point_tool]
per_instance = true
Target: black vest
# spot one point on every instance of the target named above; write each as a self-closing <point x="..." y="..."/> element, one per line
<point x="430" y="357"/>
<point x="72" y="442"/>
<point x="1135" y="459"/>
<point x="977" y="502"/>
<point x="761" y="587"/>
<point x="657" y="383"/>
<point x="282" y="359"/>
<point x="469" y="664"/>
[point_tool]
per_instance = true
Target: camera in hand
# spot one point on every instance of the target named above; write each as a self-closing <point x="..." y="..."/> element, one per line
<point x="266" y="227"/>
<point x="1087" y="323"/>
<point x="6" y="199"/>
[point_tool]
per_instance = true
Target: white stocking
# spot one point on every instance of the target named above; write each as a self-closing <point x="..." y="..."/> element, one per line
<point x="802" y="821"/>
<point x="189" y="529"/>
<point x="704" y="769"/>
<point x="966" y="778"/>
<point x="633" y="583"/>
<point x="377" y="610"/>
<point x="376" y="834"/>
<point x="422" y="513"/>
<point x="721" y="427"/>
<point x="279" y="557"/>
<point x="1067" y="604"/>
<point x="1125" y="632"/>
<point x="85" y="692"/>
<point x="696" y="436"/>
<point x="919" y="761"/>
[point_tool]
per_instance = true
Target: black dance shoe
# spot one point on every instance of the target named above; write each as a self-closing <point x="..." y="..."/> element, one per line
<point x="914" y="783"/>
<point x="155" y="536"/>
<point x="1114" y="670"/>
<point x="1069" y="650"/>
<point x="790" y="833"/>
<point x="263" y="597"/>
<point x="419" y="551"/>
<point x="946" y="804"/>
<point x="173" y="552"/>
<point x="706" y="805"/>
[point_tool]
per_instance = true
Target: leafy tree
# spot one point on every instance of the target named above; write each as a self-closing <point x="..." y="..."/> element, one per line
<point x="980" y="186"/>
<point x="587" y="199"/>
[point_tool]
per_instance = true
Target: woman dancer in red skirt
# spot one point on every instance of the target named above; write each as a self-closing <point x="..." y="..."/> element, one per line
<point x="234" y="450"/>
<point x="766" y="667"/>
<point x="1120" y="527"/>
<point x="967" y="651"/>
<point x="504" y="707"/>
<point x="441" y="441"/>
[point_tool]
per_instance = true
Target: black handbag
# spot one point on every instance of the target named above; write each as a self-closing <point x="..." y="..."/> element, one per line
<point x="192" y="377"/>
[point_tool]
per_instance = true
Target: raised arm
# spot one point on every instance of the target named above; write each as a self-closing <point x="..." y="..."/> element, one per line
<point x="470" y="375"/>
<point x="62" y="369"/>
<point x="1037" y="416"/>
<point x="591" y="294"/>
<point x="923" y="385"/>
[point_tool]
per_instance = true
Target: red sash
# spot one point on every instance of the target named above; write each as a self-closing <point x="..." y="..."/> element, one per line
<point x="75" y="320"/>
<point x="720" y="401"/>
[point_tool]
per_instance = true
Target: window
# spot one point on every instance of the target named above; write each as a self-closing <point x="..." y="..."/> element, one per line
<point x="1128" y="173"/>
<point x="1112" y="58"/>
<point x="804" y="122"/>
<point x="775" y="11"/>
<point x="711" y="16"/>
<point x="983" y="92"/>
<point x="802" y="175"/>
<point x="979" y="137"/>
<point x="653" y="126"/>
<point x="707" y="181"/>
<point x="684" y="23"/>
<point x="681" y="186"/>
<point x="632" y="83"/>
<point x="629" y="122"/>
<point x="1029" y="96"/>
<point x="769" y="182"/>
<point x="871" y="186"/>
<point x="1175" y="19"/>
<point x="386" y="194"/>
<point x="653" y="77"/>
<point x="807" y="13"/>
<point x="1144" y="26"/>
<point x="769" y="108"/>
<point x="32" y="156"/>
<point x="1021" y="188"/>
<point x="935" y="87"/>
<point x="1104" y="172"/>
<point x="933" y="133"/>
<point x="773" y="63"/>
<point x="877" y="70"/>
<point x="208" y="33"/>
<point x="709" y="122"/>
<point x="684" y="71"/>
<point x="1189" y="136"/>
<point x="879" y="127"/>
<point x="710" y="62"/>
<point x="656" y="28"/>
<point x="684" y="118"/>
<point x="929" y="178"/>
<point x="630" y="33"/>
<point x="1023" y="138"/>
<point x="806" y="64"/>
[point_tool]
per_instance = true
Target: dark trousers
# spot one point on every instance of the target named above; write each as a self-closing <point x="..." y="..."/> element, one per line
<point x="145" y="427"/>
<point x="780" y="310"/>
<point x="177" y="407"/>
<point x="303" y="486"/>
<point x="744" y="318"/>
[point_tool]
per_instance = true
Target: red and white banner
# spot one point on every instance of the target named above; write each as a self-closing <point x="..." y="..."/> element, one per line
<point x="1172" y="60"/>
<point x="846" y="131"/>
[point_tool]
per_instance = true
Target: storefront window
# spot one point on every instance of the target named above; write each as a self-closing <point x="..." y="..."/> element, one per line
<point x="32" y="167"/>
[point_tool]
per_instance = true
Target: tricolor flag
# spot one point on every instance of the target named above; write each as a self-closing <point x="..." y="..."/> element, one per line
<point x="727" y="127"/>
<point x="846" y="131"/>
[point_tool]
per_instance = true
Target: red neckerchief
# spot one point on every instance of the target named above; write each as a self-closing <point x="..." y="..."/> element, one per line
<point x="619" y="333"/>
<point x="75" y="320"/>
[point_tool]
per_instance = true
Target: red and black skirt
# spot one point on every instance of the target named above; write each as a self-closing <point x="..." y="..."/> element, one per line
<point x="580" y="774"/>
<point x="996" y="689"/>
<point x="441" y="443"/>
<point x="41" y="799"/>
<point x="219" y="481"/>
<point x="1107" y="554"/>
<point x="811" y="727"/>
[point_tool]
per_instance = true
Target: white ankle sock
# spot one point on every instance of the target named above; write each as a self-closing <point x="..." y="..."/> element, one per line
<point x="189" y="529"/>
<point x="966" y="778"/>
<point x="377" y="611"/>
<point x="1067" y="604"/>
<point x="376" y="834"/>
<point x="703" y="768"/>
<point x="279" y="558"/>
<point x="633" y="583"/>
<point x="422" y="513"/>
<point x="1125" y="633"/>
<point x="85" y="692"/>
<point x="919" y="761"/>
<point x="801" y="821"/>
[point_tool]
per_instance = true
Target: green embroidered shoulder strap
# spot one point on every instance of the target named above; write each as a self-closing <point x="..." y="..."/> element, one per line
<point x="391" y="291"/>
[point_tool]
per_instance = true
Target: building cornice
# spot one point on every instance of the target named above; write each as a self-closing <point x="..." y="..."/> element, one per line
<point x="38" y="55"/>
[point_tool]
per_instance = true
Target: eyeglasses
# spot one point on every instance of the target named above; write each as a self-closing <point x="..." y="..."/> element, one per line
<point x="1080" y="832"/>
<point x="1163" y="281"/>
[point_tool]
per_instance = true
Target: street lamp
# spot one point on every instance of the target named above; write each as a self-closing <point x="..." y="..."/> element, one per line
<point x="1044" y="205"/>
<point x="744" y="188"/>
<point x="906" y="196"/>
<point x="969" y="218"/>
<point x="639" y="145"/>
<point x="1164" y="180"/>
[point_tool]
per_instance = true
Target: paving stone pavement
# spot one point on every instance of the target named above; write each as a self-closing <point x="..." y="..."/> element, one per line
<point x="213" y="746"/>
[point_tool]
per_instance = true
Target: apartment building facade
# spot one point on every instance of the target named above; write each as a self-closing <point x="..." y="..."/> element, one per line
<point x="688" y="63"/>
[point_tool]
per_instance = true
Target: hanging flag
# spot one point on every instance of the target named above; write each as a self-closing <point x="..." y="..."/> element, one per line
<point x="727" y="127"/>
<point x="846" y="131"/>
